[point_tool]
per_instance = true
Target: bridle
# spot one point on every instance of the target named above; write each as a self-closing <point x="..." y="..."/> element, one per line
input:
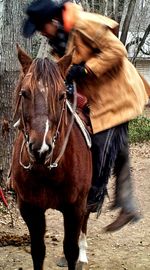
<point x="55" y="163"/>
<point x="49" y="162"/>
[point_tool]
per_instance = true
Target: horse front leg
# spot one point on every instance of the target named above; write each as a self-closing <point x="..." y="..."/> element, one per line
<point x="73" y="217"/>
<point x="83" y="260"/>
<point x="34" y="217"/>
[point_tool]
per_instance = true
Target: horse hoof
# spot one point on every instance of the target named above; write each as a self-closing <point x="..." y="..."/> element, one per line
<point x="62" y="262"/>
<point x="82" y="266"/>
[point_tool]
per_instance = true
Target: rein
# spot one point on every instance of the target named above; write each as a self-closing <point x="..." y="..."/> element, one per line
<point x="29" y="166"/>
<point x="24" y="131"/>
<point x="54" y="139"/>
<point x="55" y="163"/>
<point x="25" y="141"/>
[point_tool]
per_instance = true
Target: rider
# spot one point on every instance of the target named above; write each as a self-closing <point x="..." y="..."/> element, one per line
<point x="114" y="90"/>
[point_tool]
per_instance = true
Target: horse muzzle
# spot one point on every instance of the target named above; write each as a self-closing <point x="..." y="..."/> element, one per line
<point x="39" y="154"/>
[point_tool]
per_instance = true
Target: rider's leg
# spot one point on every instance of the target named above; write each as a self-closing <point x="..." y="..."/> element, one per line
<point x="123" y="190"/>
<point x="102" y="165"/>
<point x="106" y="146"/>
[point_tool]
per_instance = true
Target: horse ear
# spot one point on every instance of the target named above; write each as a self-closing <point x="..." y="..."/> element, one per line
<point x="64" y="64"/>
<point x="24" y="59"/>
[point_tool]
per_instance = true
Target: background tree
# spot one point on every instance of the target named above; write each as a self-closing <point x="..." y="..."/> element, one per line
<point x="10" y="34"/>
<point x="127" y="21"/>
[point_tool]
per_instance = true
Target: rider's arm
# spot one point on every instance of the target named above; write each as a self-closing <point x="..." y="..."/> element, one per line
<point x="110" y="52"/>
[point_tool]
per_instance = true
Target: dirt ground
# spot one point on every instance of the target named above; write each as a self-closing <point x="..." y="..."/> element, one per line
<point x="127" y="249"/>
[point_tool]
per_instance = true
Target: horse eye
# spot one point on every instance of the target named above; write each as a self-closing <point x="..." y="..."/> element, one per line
<point x="25" y="93"/>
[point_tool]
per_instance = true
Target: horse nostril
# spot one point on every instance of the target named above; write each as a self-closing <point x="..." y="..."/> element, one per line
<point x="31" y="146"/>
<point x="50" y="147"/>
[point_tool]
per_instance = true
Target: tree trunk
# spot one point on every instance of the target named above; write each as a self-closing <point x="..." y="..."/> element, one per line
<point x="110" y="9"/>
<point x="9" y="70"/>
<point x="119" y="7"/>
<point x="127" y="21"/>
<point x="44" y="49"/>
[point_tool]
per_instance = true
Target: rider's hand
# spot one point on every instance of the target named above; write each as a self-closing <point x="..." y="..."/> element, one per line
<point x="76" y="72"/>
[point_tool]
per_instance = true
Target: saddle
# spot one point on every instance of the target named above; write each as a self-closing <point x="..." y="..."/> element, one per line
<point x="82" y="117"/>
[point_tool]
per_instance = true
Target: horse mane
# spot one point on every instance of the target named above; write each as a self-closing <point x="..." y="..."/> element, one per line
<point x="47" y="72"/>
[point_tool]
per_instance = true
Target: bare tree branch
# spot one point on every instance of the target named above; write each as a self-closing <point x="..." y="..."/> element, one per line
<point x="145" y="52"/>
<point x="147" y="31"/>
<point x="133" y="42"/>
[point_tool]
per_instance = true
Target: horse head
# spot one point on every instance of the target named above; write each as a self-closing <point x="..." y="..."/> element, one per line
<point x="40" y="103"/>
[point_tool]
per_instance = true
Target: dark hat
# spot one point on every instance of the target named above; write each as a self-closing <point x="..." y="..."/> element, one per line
<point x="40" y="12"/>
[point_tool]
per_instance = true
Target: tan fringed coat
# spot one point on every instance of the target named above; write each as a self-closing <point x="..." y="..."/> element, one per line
<point x="114" y="89"/>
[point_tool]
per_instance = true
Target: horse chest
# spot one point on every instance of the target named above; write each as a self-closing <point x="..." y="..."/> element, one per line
<point x="47" y="190"/>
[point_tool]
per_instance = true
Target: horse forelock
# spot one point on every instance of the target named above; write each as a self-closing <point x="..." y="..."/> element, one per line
<point x="45" y="76"/>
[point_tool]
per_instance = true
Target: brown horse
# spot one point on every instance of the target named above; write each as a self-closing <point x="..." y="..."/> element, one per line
<point x="51" y="163"/>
